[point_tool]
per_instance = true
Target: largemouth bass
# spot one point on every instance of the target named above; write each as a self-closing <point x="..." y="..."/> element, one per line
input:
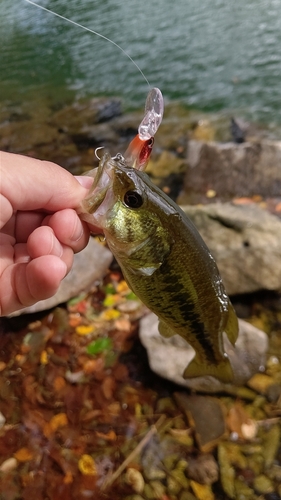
<point x="165" y="262"/>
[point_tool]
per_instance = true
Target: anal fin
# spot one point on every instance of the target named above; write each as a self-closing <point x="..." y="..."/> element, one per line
<point x="232" y="326"/>
<point x="222" y="370"/>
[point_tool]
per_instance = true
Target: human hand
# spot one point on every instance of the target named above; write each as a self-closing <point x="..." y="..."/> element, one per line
<point x="39" y="228"/>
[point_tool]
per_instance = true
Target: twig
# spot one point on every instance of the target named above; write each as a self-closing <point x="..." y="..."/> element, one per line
<point x="153" y="430"/>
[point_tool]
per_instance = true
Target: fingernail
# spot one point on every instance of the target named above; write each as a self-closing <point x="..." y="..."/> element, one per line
<point x="56" y="247"/>
<point x="78" y="231"/>
<point x="84" y="180"/>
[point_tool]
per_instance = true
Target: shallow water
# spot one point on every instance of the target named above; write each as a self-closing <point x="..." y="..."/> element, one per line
<point x="212" y="55"/>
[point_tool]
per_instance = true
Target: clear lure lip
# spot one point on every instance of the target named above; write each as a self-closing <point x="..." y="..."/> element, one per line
<point x="139" y="149"/>
<point x="154" y="109"/>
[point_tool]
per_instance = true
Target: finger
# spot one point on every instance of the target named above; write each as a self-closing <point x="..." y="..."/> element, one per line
<point x="37" y="280"/>
<point x="21" y="253"/>
<point x="6" y="211"/>
<point x="69" y="229"/>
<point x="39" y="184"/>
<point x="43" y="241"/>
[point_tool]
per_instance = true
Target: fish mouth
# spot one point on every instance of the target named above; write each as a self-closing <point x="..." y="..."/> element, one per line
<point x="100" y="197"/>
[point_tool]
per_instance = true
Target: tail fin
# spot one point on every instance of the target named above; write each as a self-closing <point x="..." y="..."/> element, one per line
<point x="221" y="371"/>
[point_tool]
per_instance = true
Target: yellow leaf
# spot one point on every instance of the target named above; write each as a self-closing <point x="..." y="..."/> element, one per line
<point x="202" y="491"/>
<point x="57" y="421"/>
<point x="122" y="287"/>
<point x="23" y="455"/>
<point x="44" y="358"/>
<point x="84" y="329"/>
<point x="86" y="465"/>
<point x="110" y="314"/>
<point x="111" y="300"/>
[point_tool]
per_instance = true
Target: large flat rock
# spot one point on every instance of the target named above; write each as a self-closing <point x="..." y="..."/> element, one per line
<point x="169" y="357"/>
<point x="233" y="169"/>
<point x="245" y="241"/>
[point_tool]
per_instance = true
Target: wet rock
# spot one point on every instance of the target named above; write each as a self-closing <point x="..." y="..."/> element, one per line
<point x="233" y="169"/>
<point x="242" y="239"/>
<point x="81" y="114"/>
<point x="89" y="266"/>
<point x="21" y="137"/>
<point x="169" y="357"/>
<point x="67" y="136"/>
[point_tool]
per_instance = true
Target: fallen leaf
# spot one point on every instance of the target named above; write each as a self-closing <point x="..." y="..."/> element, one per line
<point x="108" y="386"/>
<point x="57" y="421"/>
<point x="85" y="329"/>
<point x="44" y="358"/>
<point x="23" y="455"/>
<point x="237" y="418"/>
<point x="201" y="491"/>
<point x="110" y="436"/>
<point x="86" y="465"/>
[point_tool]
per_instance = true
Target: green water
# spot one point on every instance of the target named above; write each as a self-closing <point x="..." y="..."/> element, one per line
<point x="210" y="54"/>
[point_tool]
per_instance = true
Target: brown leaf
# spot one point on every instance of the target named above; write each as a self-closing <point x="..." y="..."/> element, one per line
<point x="236" y="419"/>
<point x="108" y="387"/>
<point x="23" y="455"/>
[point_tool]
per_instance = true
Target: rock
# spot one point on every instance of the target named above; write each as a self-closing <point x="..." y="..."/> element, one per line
<point x="67" y="136"/>
<point x="243" y="239"/>
<point x="80" y="114"/>
<point x="89" y="266"/>
<point x="167" y="163"/>
<point x="208" y="432"/>
<point x="233" y="169"/>
<point x="169" y="357"/>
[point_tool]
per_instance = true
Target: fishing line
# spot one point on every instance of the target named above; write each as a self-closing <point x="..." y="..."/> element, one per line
<point x="91" y="31"/>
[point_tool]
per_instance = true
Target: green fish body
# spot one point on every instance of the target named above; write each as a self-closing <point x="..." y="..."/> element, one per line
<point x="165" y="262"/>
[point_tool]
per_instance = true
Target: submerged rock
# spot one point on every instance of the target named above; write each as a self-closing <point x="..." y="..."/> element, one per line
<point x="169" y="357"/>
<point x="89" y="266"/>
<point x="245" y="241"/>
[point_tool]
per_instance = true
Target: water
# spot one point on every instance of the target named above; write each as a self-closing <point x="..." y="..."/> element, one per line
<point x="212" y="55"/>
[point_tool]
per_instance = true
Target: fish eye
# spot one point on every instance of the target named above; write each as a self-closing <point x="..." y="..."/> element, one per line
<point x="133" y="199"/>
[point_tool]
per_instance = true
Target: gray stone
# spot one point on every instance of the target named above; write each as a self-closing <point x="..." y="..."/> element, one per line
<point x="169" y="357"/>
<point x="89" y="266"/>
<point x="233" y="169"/>
<point x="245" y="241"/>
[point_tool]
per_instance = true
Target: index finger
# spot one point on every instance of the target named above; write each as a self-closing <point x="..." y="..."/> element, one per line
<point x="31" y="184"/>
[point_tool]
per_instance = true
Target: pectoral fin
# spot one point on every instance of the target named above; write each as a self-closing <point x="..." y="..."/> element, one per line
<point x="145" y="271"/>
<point x="232" y="326"/>
<point x="222" y="371"/>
